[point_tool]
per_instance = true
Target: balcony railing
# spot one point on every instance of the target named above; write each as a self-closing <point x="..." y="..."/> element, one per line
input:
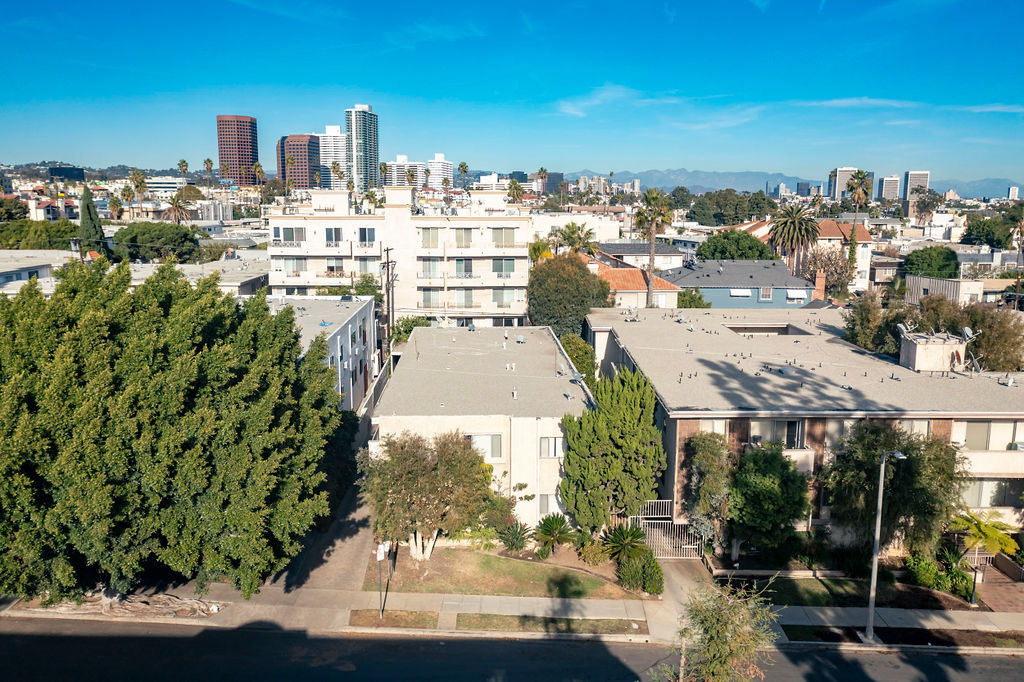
<point x="335" y="273"/>
<point x="503" y="245"/>
<point x="428" y="275"/>
<point x="464" y="304"/>
<point x="366" y="245"/>
<point x="503" y="304"/>
<point x="457" y="245"/>
<point x="294" y="273"/>
<point x="428" y="304"/>
<point x="504" y="275"/>
<point x="465" y="275"/>
<point x="287" y="245"/>
<point x="333" y="245"/>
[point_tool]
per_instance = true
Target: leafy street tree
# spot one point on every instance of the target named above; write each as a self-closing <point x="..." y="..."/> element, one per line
<point x="169" y="428"/>
<point x="12" y="209"/>
<point x="581" y="354"/>
<point x="681" y="198"/>
<point x="766" y="495"/>
<point x="613" y="454"/>
<point x="761" y="205"/>
<point x="831" y="260"/>
<point x="190" y="193"/>
<point x="515" y="191"/>
<point x="932" y="261"/>
<point x="37" y="234"/>
<point x="922" y="493"/>
<point x="403" y="328"/>
<point x="420" y="488"/>
<point x="722" y="207"/>
<point x="90" y="230"/>
<point x="995" y="232"/>
<point x="925" y="202"/>
<point x="155" y="240"/>
<point x="561" y="291"/>
<point x="734" y="245"/>
<point x="577" y="238"/>
<point x="707" y="490"/>
<point x="727" y="636"/>
<point x="654" y="214"/>
<point x="793" y="232"/>
<point x="691" y="298"/>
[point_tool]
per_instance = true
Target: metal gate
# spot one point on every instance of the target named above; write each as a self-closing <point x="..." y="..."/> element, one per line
<point x="668" y="540"/>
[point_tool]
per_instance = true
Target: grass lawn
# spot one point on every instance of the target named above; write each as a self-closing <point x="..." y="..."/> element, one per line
<point x="601" y="626"/>
<point x="844" y="592"/>
<point x="466" y="571"/>
<point x="370" y="618"/>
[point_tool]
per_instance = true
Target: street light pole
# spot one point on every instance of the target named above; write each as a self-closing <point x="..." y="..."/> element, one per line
<point x="869" y="632"/>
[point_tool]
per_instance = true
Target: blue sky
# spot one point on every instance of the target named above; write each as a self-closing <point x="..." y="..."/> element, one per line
<point x="797" y="86"/>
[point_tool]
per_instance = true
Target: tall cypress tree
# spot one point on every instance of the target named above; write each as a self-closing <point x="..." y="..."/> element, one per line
<point x="90" y="230"/>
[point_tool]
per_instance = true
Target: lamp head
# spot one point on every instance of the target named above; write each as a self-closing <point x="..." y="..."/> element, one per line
<point x="896" y="454"/>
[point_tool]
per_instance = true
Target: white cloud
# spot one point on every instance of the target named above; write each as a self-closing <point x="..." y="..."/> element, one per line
<point x="729" y="118"/>
<point x="609" y="92"/>
<point x="903" y="122"/>
<point x="861" y="103"/>
<point x="993" y="109"/>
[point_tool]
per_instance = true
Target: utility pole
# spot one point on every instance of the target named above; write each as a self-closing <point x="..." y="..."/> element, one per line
<point x="389" y="300"/>
<point x="1020" y="239"/>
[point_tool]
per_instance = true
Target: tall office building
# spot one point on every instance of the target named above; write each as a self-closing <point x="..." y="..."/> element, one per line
<point x="554" y="181"/>
<point x="889" y="188"/>
<point x="1012" y="193"/>
<point x="332" y="149"/>
<point x="398" y="172"/>
<point x="237" y="149"/>
<point x="803" y="189"/>
<point x="912" y="179"/>
<point x="517" y="175"/>
<point x="439" y="170"/>
<point x="361" y="147"/>
<point x="298" y="160"/>
<point x="837" y="180"/>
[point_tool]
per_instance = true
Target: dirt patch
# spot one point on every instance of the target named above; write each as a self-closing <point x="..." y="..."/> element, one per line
<point x="466" y="571"/>
<point x="566" y="557"/>
<point x="134" y="605"/>
<point x="602" y="626"/>
<point x="370" y="618"/>
<point x="1008" y="639"/>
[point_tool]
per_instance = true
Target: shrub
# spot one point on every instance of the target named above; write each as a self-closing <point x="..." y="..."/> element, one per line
<point x="654" y="578"/>
<point x="594" y="553"/>
<point x="630" y="572"/>
<point x="960" y="582"/>
<point x="854" y="560"/>
<point x="581" y="539"/>
<point x="543" y="552"/>
<point x="553" y="530"/>
<point x="514" y="536"/>
<point x="924" y="571"/>
<point x="625" y="542"/>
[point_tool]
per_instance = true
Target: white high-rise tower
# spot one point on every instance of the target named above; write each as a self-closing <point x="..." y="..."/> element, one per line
<point x="361" y="147"/>
<point x="332" y="148"/>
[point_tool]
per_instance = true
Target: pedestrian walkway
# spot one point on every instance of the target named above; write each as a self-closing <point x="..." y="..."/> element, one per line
<point x="929" y="619"/>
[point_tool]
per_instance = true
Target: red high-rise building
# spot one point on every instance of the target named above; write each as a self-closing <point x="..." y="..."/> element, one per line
<point x="237" y="149"/>
<point x="304" y="152"/>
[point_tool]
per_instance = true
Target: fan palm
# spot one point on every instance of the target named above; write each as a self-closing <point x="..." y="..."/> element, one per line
<point x="984" y="532"/>
<point x="426" y="177"/>
<point x="138" y="182"/>
<point x="410" y="176"/>
<point x="859" y="189"/>
<point x="542" y="173"/>
<point x="578" y="238"/>
<point x="539" y="249"/>
<point x="127" y="194"/>
<point x="552" y="531"/>
<point x="316" y="178"/>
<point x="383" y="173"/>
<point x="515" y="191"/>
<point x="177" y="211"/>
<point x="225" y="169"/>
<point x="257" y="171"/>
<point x="208" y="167"/>
<point x="336" y="171"/>
<point x="115" y="207"/>
<point x="463" y="171"/>
<point x="654" y="213"/>
<point x="793" y="231"/>
<point x="183" y="167"/>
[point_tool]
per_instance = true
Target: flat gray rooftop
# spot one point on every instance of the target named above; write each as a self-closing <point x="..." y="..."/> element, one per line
<point x="735" y="273"/>
<point x="319" y="315"/>
<point x="703" y="366"/>
<point x="232" y="271"/>
<point x="454" y="371"/>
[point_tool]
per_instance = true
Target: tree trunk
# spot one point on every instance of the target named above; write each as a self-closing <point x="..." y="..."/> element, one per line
<point x="429" y="548"/>
<point x="650" y="269"/>
<point x="735" y="554"/>
<point x="415" y="552"/>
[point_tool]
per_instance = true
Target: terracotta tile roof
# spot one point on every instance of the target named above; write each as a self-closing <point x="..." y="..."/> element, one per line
<point x="627" y="277"/>
<point x="830" y="229"/>
<point x="757" y="228"/>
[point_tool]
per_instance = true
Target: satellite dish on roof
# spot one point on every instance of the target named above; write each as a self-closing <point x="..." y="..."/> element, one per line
<point x="969" y="334"/>
<point x="520" y="338"/>
<point x="902" y="329"/>
<point x="974" y="362"/>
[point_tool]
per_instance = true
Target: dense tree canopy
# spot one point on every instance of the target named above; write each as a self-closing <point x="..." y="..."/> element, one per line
<point x="90" y="230"/>
<point x="561" y="291"/>
<point x="37" y="234"/>
<point x="734" y="245"/>
<point x="152" y="240"/>
<point x="767" y="494"/>
<point x="996" y="232"/>
<point x="728" y="207"/>
<point x="691" y="298"/>
<point x="614" y="455"/>
<point x="581" y="354"/>
<point x="169" y="428"/>
<point x="933" y="261"/>
<point x="922" y="492"/>
<point x="681" y="198"/>
<point x="12" y="209"/>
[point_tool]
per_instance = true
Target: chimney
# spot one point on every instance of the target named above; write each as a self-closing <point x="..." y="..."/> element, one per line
<point x="819" y="286"/>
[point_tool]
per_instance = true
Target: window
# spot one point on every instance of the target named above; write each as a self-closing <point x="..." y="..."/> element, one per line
<point x="431" y="298"/>
<point x="367" y="235"/>
<point x="503" y="267"/>
<point x="552" y="447"/>
<point x="917" y="427"/>
<point x="548" y="504"/>
<point x="463" y="268"/>
<point x="766" y="294"/>
<point x="502" y="297"/>
<point x="295" y="265"/>
<point x="293" y="234"/>
<point x="789" y="432"/>
<point x="429" y="267"/>
<point x="504" y="236"/>
<point x="994" y="492"/>
<point x="463" y="237"/>
<point x="335" y="265"/>
<point x="739" y="293"/>
<point x="428" y="237"/>
<point x="464" y="298"/>
<point x="977" y="435"/>
<point x="367" y="266"/>
<point x="504" y="322"/>
<point x="333" y="235"/>
<point x="488" y="444"/>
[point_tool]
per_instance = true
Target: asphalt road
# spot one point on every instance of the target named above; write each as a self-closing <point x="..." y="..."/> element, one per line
<point x="89" y="650"/>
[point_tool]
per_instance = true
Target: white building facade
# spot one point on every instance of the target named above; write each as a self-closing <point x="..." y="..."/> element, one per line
<point x="361" y="147"/>
<point x="332" y="149"/>
<point x="440" y="168"/>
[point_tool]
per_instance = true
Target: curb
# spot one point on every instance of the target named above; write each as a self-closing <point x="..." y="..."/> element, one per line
<point x="853" y="647"/>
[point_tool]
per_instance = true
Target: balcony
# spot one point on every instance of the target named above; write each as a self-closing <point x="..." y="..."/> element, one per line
<point x="336" y="273"/>
<point x="286" y="245"/>
<point x="429" y="304"/>
<point x="463" y="305"/>
<point x="456" y="245"/>
<point x="428" y="275"/>
<point x="1008" y="463"/>
<point x="294" y="273"/>
<point x="465" y="275"/>
<point x="334" y="245"/>
<point x="366" y="245"/>
<point x="504" y="275"/>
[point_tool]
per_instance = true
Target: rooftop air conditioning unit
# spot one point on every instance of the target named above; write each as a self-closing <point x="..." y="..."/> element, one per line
<point x="1019" y="445"/>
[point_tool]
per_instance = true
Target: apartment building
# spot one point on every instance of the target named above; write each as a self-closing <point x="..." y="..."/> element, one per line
<point x="332" y="150"/>
<point x="350" y="331"/>
<point x="237" y="149"/>
<point x="912" y="180"/>
<point x="786" y="376"/>
<point x="889" y="188"/>
<point x="361" y="150"/>
<point x="398" y="172"/>
<point x="505" y="390"/>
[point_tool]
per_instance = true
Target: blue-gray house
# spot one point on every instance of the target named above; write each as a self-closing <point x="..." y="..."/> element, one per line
<point x="743" y="283"/>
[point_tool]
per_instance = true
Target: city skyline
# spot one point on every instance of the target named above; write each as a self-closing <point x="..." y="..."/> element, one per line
<point x="673" y="94"/>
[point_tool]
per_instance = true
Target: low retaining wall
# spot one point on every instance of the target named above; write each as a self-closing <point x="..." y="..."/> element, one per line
<point x="1009" y="567"/>
<point x="764" y="573"/>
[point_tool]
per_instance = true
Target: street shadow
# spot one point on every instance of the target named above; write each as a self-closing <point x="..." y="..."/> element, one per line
<point x="263" y="651"/>
<point x="321" y="545"/>
<point x="566" y="586"/>
<point x="823" y="665"/>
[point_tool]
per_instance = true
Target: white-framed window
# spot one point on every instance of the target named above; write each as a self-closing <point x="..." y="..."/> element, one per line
<point x="487" y="444"/>
<point x="994" y="492"/>
<point x="463" y="237"/>
<point x="367" y="266"/>
<point x="293" y="234"/>
<point x="552" y="447"/>
<point x="503" y="267"/>
<point x="504" y="236"/>
<point x="429" y="237"/>
<point x="335" y="265"/>
<point x="294" y="264"/>
<point x="766" y="294"/>
<point x="789" y="432"/>
<point x="548" y="504"/>
<point x="332" y="235"/>
<point x="917" y="427"/>
<point x="367" y="235"/>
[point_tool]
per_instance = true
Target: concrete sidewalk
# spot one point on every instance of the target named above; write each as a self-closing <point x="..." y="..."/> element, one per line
<point x="928" y="619"/>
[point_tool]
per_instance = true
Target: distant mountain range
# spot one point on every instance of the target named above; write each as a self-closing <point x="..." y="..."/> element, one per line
<point x="698" y="181"/>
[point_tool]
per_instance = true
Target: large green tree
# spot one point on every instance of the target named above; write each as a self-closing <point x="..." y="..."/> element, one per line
<point x="90" y="230"/>
<point x="167" y="428"/>
<point x="561" y="291"/>
<point x="37" y="234"/>
<point x="996" y="232"/>
<point x="681" y="198"/>
<point x="12" y="209"/>
<point x="419" y="488"/>
<point x="707" y="487"/>
<point x="150" y="240"/>
<point x="722" y="207"/>
<point x="766" y="495"/>
<point x="933" y="261"/>
<point x="613" y="453"/>
<point x="734" y="245"/>
<point x="922" y="492"/>
<point x="691" y="298"/>
<point x="581" y="354"/>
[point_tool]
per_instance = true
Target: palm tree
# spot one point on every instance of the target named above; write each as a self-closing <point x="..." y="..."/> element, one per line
<point x="542" y="173"/>
<point x="426" y="177"/>
<point x="859" y="189"/>
<point x="578" y="238"/>
<point x="539" y="249"/>
<point x="371" y="197"/>
<point x="177" y="210"/>
<point x="383" y="173"/>
<point x="316" y="178"/>
<point x="127" y="194"/>
<point x="793" y="230"/>
<point x="257" y="171"/>
<point x="336" y="171"/>
<point x="183" y="167"/>
<point x="515" y="191"/>
<point x="463" y="171"/>
<point x="225" y="169"/>
<point x="817" y="202"/>
<point x="208" y="167"/>
<point x="654" y="213"/>
<point x="410" y="176"/>
<point x="446" y="185"/>
<point x="115" y="207"/>
<point x="138" y="182"/>
<point x="351" y="185"/>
